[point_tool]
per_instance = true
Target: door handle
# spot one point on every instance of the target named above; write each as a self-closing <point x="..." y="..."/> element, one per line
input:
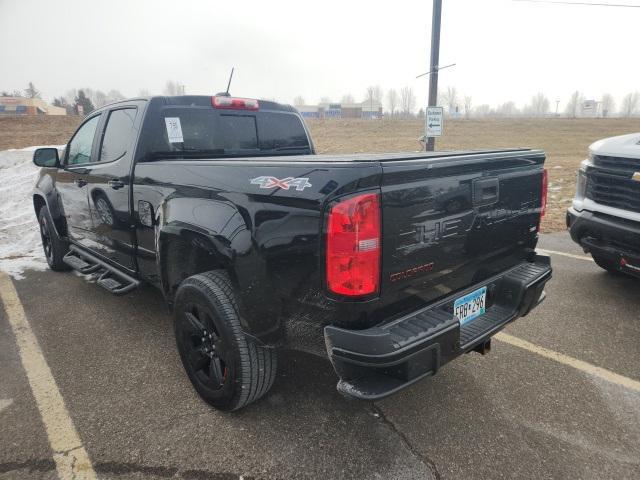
<point x="80" y="182"/>
<point x="115" y="184"/>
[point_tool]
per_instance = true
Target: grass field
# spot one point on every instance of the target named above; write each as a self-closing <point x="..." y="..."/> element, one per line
<point x="564" y="140"/>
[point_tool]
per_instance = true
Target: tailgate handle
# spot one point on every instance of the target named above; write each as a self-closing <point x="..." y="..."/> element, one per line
<point x="486" y="191"/>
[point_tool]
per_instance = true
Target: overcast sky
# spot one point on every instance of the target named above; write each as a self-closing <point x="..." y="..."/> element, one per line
<point x="504" y="50"/>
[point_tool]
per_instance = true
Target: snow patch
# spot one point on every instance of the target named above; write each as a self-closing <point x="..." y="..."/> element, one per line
<point x="20" y="246"/>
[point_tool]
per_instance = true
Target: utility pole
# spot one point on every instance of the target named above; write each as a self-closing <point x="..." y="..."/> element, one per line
<point x="435" y="60"/>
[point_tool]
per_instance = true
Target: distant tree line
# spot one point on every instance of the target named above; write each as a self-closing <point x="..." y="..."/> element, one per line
<point x="540" y="106"/>
<point x="30" y="92"/>
<point x="402" y="104"/>
<point x="398" y="105"/>
<point x="87" y="99"/>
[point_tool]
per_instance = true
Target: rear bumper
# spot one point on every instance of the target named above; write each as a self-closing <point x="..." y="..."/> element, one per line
<point x="381" y="360"/>
<point x="615" y="239"/>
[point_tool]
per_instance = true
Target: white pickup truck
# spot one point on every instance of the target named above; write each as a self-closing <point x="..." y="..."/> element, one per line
<point x="605" y="215"/>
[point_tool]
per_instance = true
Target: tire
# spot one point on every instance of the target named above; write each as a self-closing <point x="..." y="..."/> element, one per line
<point x="607" y="264"/>
<point x="227" y="370"/>
<point x="104" y="209"/>
<point x="54" y="247"/>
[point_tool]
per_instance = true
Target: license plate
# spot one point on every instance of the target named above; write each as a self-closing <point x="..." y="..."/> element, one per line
<point x="470" y="306"/>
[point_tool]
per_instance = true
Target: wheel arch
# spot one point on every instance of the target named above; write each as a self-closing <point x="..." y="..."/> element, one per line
<point x="95" y="192"/>
<point x="185" y="252"/>
<point x="40" y="201"/>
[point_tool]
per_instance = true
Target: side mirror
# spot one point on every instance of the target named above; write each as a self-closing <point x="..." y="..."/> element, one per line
<point x="46" y="157"/>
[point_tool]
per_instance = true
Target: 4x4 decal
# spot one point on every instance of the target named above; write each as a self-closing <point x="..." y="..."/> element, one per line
<point x="285" y="183"/>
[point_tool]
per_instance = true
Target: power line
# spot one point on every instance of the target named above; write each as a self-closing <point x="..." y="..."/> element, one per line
<point x="559" y="2"/>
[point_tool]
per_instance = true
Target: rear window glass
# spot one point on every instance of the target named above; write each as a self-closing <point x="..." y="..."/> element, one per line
<point x="199" y="130"/>
<point x="278" y="130"/>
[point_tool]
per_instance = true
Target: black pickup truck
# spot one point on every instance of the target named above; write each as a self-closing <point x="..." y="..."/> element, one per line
<point x="390" y="264"/>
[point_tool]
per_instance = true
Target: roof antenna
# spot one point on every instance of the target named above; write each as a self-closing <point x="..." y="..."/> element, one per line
<point x="230" y="77"/>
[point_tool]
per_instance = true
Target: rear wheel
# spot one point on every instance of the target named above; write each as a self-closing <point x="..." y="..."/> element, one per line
<point x="607" y="264"/>
<point x="54" y="247"/>
<point x="227" y="370"/>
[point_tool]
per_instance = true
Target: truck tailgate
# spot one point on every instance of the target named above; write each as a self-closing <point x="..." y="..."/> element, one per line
<point x="452" y="221"/>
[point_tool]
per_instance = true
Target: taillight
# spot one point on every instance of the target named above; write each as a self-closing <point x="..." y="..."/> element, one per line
<point x="353" y="246"/>
<point x="543" y="193"/>
<point x="234" y="103"/>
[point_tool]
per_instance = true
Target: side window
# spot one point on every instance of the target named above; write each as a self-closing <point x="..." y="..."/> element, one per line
<point x="80" y="145"/>
<point x="117" y="134"/>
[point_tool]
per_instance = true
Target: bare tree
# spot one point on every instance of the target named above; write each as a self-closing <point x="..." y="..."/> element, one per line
<point x="299" y="100"/>
<point x="467" y="106"/>
<point x="325" y="100"/>
<point x="608" y="105"/>
<point x="629" y="104"/>
<point x="539" y="104"/>
<point x="574" y="103"/>
<point x="373" y="95"/>
<point x="17" y="93"/>
<point x="483" y="110"/>
<point x="407" y="101"/>
<point x="449" y="98"/>
<point x="114" y="96"/>
<point x="31" y="91"/>
<point x="392" y="101"/>
<point x="348" y="98"/>
<point x="98" y="98"/>
<point x="170" y="88"/>
<point x="507" y="109"/>
<point x="173" y="89"/>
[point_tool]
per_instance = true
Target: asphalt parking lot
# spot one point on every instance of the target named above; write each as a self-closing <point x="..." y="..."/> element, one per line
<point x="536" y="411"/>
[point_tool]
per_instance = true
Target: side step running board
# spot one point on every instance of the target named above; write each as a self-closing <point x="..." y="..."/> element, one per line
<point x="114" y="280"/>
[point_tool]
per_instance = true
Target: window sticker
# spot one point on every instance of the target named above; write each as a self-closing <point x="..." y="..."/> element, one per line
<point x="174" y="129"/>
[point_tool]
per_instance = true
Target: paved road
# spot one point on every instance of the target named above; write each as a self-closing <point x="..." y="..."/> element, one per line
<point x="510" y="414"/>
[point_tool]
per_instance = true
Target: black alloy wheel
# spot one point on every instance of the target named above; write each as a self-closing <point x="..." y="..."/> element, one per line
<point x="204" y="348"/>
<point x="45" y="235"/>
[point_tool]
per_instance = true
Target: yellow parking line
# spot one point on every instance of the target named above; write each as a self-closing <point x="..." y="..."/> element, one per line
<point x="71" y="458"/>
<point x="602" y="373"/>
<point x="570" y="255"/>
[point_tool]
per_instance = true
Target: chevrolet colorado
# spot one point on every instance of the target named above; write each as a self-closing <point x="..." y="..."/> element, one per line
<point x="390" y="264"/>
<point x="604" y="218"/>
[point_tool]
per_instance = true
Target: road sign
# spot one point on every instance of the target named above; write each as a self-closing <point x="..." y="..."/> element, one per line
<point x="434" y="121"/>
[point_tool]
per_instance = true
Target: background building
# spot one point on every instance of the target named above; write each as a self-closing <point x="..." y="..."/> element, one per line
<point x="28" y="106"/>
<point x="366" y="109"/>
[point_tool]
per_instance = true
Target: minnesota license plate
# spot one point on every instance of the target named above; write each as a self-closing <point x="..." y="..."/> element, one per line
<point x="470" y="306"/>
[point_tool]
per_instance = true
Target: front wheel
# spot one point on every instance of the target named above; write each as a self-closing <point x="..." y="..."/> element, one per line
<point x="227" y="370"/>
<point x="54" y="247"/>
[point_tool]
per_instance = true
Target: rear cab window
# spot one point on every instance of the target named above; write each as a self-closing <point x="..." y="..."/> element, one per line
<point x="205" y="132"/>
